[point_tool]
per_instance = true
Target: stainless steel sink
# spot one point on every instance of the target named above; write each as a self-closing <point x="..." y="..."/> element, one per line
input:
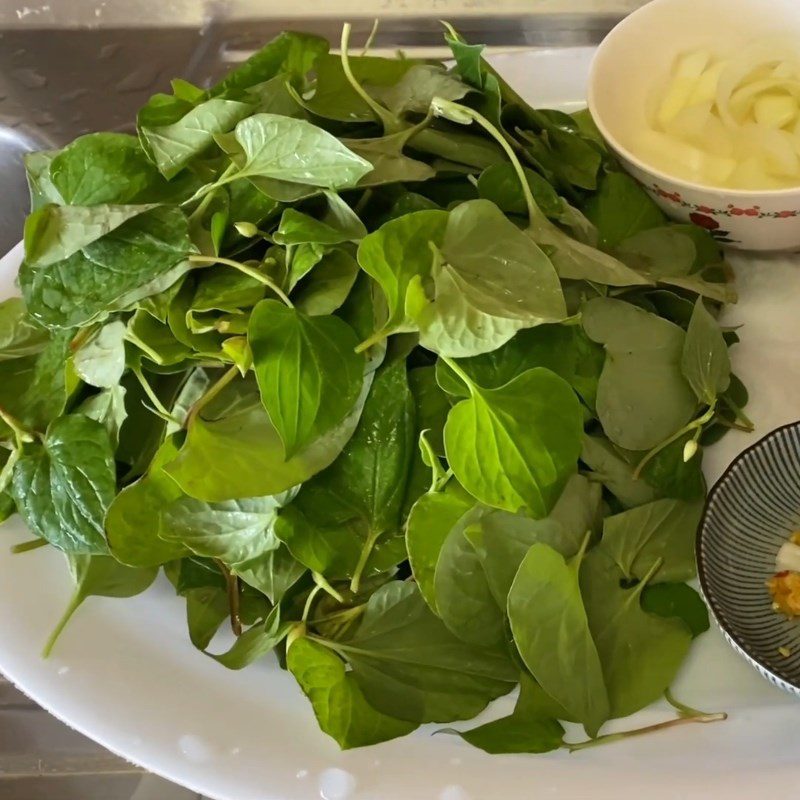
<point x="59" y="82"/>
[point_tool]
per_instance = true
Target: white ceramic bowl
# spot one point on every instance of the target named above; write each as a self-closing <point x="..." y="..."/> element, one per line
<point x="637" y="55"/>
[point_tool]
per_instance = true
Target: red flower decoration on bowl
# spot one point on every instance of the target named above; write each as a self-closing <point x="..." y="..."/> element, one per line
<point x="709" y="223"/>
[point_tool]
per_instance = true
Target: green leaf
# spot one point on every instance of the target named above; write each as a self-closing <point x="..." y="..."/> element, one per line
<point x="308" y="372"/>
<point x="255" y="642"/>
<point x="642" y="397"/>
<point x="516" y="446"/>
<point x="19" y="336"/>
<point x="285" y="149"/>
<point x="677" y="600"/>
<point x="206" y="609"/>
<point x="40" y="186"/>
<point x="99" y="576"/>
<point x="339" y="224"/>
<point x="663" y="529"/>
<point x="233" y="531"/>
<point x="397" y="253"/>
<point x="671" y="476"/>
<point x="411" y="667"/>
<point x="132" y="521"/>
<point x="615" y="473"/>
<point x="273" y="572"/>
<point x="579" y="261"/>
<point x="349" y="515"/>
<point x="239" y="453"/>
<point x="500" y="184"/>
<point x="620" y="208"/>
<point x="34" y="389"/>
<point x="329" y="285"/>
<point x="499" y="269"/>
<point x="339" y="704"/>
<point x="429" y="523"/>
<point x="530" y="728"/>
<point x="551" y="630"/>
<point x="417" y="87"/>
<point x="155" y="340"/>
<point x="564" y="349"/>
<point x="464" y="599"/>
<point x="64" y="486"/>
<point x="502" y="540"/>
<point x="660" y="252"/>
<point x="172" y="147"/>
<point x="705" y="362"/>
<point x="334" y="97"/>
<point x="108" y="408"/>
<point x="54" y="233"/>
<point x="640" y="652"/>
<point x="289" y="52"/>
<point x="101" y="361"/>
<point x="102" y="168"/>
<point x="389" y="165"/>
<point x="469" y="62"/>
<point x="136" y="259"/>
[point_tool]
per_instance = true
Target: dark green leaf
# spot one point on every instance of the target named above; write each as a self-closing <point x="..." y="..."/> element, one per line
<point x="64" y="486"/>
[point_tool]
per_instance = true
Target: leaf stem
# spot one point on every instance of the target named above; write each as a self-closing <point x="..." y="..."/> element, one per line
<point x="253" y="273"/>
<point x="534" y="212"/>
<point x="375" y="338"/>
<point x="203" y="401"/>
<point x="322" y="582"/>
<point x="660" y="726"/>
<point x="232" y="583"/>
<point x="72" y="607"/>
<point x="468" y="382"/>
<point x="740" y="415"/>
<point x="371" y="38"/>
<point x="309" y="600"/>
<point x="31" y="544"/>
<point x="687" y="711"/>
<point x="695" y="423"/>
<point x="386" y="118"/>
<point x="366" y="551"/>
<point x="153" y="397"/>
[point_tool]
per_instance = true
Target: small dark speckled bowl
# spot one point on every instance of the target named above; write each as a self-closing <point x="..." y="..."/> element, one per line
<point x="751" y="512"/>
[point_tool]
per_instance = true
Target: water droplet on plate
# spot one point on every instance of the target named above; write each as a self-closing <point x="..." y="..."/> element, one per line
<point x="29" y="78"/>
<point x="301" y="773"/>
<point x="234" y="751"/>
<point x="62" y="670"/>
<point x="194" y="748"/>
<point x="336" y="784"/>
<point x="454" y="792"/>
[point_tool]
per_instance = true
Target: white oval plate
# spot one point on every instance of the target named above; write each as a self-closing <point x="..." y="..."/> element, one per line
<point x="125" y="674"/>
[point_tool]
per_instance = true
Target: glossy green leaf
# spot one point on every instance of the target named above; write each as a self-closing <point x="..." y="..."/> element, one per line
<point x="679" y="601"/>
<point x="285" y="149"/>
<point x="429" y="523"/>
<point x="308" y="372"/>
<point x="640" y="652"/>
<point x="705" y="362"/>
<point x="663" y="529"/>
<point x="239" y="453"/>
<point x="411" y="667"/>
<point x="642" y="397"/>
<point x="101" y="361"/>
<point x="530" y="728"/>
<point x="64" y="486"/>
<point x="551" y="630"/>
<point x="339" y="704"/>
<point x="516" y="446"/>
<point x="137" y="258"/>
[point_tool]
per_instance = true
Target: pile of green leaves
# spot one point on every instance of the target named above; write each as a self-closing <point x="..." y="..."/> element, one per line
<point x="401" y="376"/>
